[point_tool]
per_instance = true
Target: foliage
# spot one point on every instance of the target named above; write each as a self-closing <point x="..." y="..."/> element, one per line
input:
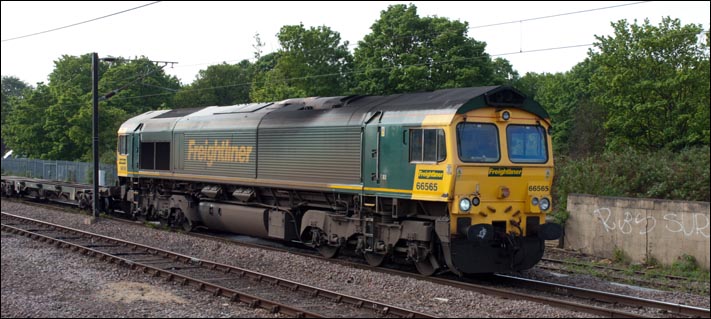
<point x="142" y="85"/>
<point x="310" y="62"/>
<point x="577" y="119"/>
<point x="12" y="88"/>
<point x="644" y="88"/>
<point x="408" y="53"/>
<point x="664" y="174"/>
<point x="504" y="73"/>
<point x="54" y="121"/>
<point x="619" y="256"/>
<point x="24" y="131"/>
<point x="220" y="84"/>
<point x="560" y="216"/>
<point x="685" y="263"/>
<point x="654" y="82"/>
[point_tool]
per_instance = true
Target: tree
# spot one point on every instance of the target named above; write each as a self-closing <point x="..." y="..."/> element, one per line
<point x="139" y="85"/>
<point x="406" y="53"/>
<point x="221" y="84"/>
<point x="577" y="120"/>
<point x="24" y="129"/>
<point x="310" y="62"/>
<point x="132" y="87"/>
<point x="504" y="73"/>
<point x="654" y="83"/>
<point x="54" y="121"/>
<point x="12" y="88"/>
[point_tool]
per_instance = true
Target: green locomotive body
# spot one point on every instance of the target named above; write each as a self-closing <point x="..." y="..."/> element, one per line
<point x="455" y="179"/>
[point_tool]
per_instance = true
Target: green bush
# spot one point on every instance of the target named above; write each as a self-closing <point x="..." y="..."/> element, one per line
<point x="685" y="263"/>
<point x="663" y="174"/>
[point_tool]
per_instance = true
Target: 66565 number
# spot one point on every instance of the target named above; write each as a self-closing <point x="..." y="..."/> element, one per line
<point x="538" y="188"/>
<point x="421" y="186"/>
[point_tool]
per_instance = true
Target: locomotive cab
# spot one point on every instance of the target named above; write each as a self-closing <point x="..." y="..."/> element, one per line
<point x="502" y="184"/>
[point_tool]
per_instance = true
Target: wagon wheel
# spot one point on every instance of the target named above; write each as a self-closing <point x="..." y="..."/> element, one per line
<point x="328" y="251"/>
<point x="426" y="267"/>
<point x="374" y="259"/>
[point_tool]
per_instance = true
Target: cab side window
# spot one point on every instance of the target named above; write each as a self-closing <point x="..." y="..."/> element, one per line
<point x="122" y="145"/>
<point x="427" y="145"/>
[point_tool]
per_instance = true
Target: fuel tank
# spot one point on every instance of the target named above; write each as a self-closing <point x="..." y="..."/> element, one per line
<point x="235" y="218"/>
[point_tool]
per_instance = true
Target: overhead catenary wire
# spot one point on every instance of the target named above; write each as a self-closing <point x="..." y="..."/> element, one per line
<point x="469" y="28"/>
<point x="558" y="15"/>
<point x="78" y="23"/>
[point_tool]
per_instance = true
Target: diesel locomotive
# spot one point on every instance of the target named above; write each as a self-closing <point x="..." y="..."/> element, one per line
<point x="453" y="179"/>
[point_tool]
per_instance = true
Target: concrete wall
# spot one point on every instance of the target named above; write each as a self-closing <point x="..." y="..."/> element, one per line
<point x="642" y="228"/>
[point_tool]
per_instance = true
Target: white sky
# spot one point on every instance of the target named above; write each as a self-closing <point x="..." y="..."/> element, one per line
<point x="198" y="34"/>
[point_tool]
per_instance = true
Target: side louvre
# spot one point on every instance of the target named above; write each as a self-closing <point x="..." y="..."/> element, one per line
<point x="310" y="154"/>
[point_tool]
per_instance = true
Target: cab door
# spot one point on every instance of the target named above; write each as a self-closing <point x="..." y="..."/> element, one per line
<point x="371" y="151"/>
<point x="134" y="146"/>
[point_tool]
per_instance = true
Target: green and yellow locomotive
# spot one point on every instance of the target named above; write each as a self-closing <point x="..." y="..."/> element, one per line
<point x="454" y="179"/>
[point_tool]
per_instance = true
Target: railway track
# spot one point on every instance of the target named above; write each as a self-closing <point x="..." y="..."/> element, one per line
<point x="239" y="285"/>
<point x="487" y="286"/>
<point x="621" y="275"/>
<point x="611" y="298"/>
<point x="642" y="273"/>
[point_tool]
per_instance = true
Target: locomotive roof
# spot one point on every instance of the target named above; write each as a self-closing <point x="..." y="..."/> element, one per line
<point x="339" y="110"/>
<point x="460" y="99"/>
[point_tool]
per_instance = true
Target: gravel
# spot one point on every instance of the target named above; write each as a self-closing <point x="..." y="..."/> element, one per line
<point x="41" y="281"/>
<point x="438" y="300"/>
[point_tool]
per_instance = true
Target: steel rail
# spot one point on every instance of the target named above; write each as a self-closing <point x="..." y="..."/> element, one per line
<point x="605" y="296"/>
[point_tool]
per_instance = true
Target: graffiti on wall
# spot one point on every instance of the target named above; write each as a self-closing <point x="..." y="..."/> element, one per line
<point x="689" y="224"/>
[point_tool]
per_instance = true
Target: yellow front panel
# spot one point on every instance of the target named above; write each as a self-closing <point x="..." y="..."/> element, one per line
<point x="487" y="180"/>
<point x="122" y="165"/>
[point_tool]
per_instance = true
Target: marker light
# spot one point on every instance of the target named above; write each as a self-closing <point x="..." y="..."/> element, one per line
<point x="476" y="201"/>
<point x="506" y="115"/>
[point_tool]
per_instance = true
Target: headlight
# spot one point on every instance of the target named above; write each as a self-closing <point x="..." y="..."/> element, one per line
<point x="465" y="204"/>
<point x="534" y="201"/>
<point x="545" y="204"/>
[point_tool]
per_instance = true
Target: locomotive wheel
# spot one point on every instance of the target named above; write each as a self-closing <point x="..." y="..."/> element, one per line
<point x="187" y="225"/>
<point x="374" y="259"/>
<point x="426" y="267"/>
<point x="328" y="251"/>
